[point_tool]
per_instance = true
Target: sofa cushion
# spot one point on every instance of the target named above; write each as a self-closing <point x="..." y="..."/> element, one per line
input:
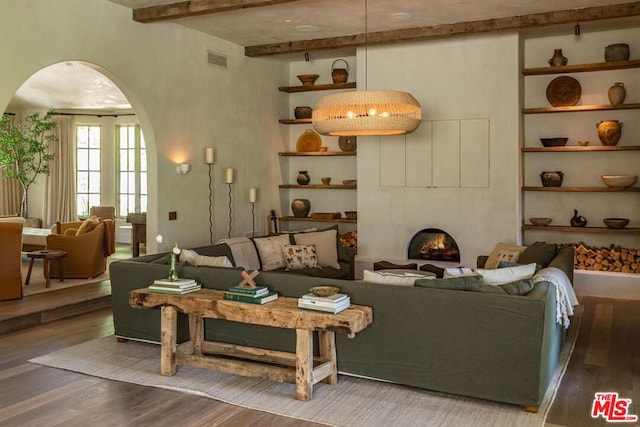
<point x="298" y="257"/>
<point x="474" y="284"/>
<point x="540" y="252"/>
<point x="499" y="276"/>
<point x="270" y="251"/>
<point x="386" y="277"/>
<point x="519" y="287"/>
<point x="326" y="243"/>
<point x="464" y="283"/>
<point x="503" y="252"/>
<point x="88" y="225"/>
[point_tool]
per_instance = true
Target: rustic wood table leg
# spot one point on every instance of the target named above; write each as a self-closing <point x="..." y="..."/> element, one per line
<point x="168" y="332"/>
<point x="304" y="364"/>
<point x="196" y="333"/>
<point x="29" y="272"/>
<point x="327" y="342"/>
<point x="47" y="272"/>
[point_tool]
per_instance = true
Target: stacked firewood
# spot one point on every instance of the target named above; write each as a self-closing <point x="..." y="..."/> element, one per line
<point x="350" y="240"/>
<point x="613" y="258"/>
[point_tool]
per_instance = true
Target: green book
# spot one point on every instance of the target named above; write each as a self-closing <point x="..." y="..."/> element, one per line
<point x="272" y="296"/>
<point x="258" y="290"/>
<point x="162" y="290"/>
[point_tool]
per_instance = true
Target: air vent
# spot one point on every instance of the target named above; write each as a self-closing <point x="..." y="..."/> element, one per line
<point x="217" y="59"/>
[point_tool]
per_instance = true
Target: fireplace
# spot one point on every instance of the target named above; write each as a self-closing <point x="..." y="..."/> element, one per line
<point x="433" y="244"/>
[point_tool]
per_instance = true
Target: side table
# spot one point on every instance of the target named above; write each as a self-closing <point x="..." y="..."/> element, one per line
<point x="46" y="256"/>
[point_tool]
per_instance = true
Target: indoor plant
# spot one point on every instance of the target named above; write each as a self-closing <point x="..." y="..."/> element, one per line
<point x="24" y="150"/>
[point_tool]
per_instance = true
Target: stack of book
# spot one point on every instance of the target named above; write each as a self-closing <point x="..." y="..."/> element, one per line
<point x="177" y="287"/>
<point x="257" y="295"/>
<point x="330" y="304"/>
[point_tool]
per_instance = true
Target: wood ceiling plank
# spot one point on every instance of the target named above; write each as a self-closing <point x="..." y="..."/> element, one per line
<point x="184" y="9"/>
<point x="624" y="10"/>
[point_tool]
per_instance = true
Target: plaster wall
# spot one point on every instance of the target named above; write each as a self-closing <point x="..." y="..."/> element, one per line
<point x="183" y="103"/>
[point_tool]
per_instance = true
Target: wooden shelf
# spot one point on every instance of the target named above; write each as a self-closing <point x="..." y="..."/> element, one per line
<point x="569" y="229"/>
<point x="580" y="148"/>
<point x="320" y="186"/>
<point x="295" y="121"/>
<point x="316" y="153"/>
<point x="578" y="108"/>
<point x="584" y="189"/>
<point x="309" y="219"/>
<point x="581" y="68"/>
<point x="310" y="88"/>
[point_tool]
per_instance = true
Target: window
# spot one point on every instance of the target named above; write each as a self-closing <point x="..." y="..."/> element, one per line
<point x="88" y="168"/>
<point x="132" y="170"/>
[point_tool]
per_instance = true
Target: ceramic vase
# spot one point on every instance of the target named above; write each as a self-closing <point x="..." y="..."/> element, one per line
<point x="616" y="52"/>
<point x="609" y="131"/>
<point x="557" y="59"/>
<point x="303" y="178"/>
<point x="551" y="178"/>
<point x="578" y="221"/>
<point x="300" y="208"/>
<point x="617" y="93"/>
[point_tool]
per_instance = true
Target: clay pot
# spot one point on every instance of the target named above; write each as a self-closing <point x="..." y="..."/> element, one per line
<point x="617" y="93"/>
<point x="340" y="75"/>
<point x="609" y="131"/>
<point x="303" y="112"/>
<point x="557" y="59"/>
<point x="578" y="221"/>
<point x="616" y="52"/>
<point x="303" y="178"/>
<point x="300" y="208"/>
<point x="551" y="179"/>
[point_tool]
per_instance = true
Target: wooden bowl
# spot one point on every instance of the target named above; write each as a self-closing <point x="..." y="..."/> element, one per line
<point x="554" y="142"/>
<point x="616" y="222"/>
<point x="324" y="291"/>
<point x="308" y="79"/>
<point x="540" y="221"/>
<point x="619" y="180"/>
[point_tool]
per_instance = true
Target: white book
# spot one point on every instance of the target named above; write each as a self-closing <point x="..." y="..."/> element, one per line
<point x="163" y="289"/>
<point x="179" y="283"/>
<point x="344" y="302"/>
<point x="335" y="298"/>
<point x="322" y="309"/>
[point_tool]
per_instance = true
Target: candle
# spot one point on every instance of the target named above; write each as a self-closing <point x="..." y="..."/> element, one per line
<point x="209" y="156"/>
<point x="253" y="196"/>
<point x="229" y="177"/>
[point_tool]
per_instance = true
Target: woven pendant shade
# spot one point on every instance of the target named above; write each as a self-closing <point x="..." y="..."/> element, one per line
<point x="367" y="112"/>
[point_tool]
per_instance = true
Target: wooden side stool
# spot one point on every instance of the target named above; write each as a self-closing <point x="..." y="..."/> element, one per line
<point x="46" y="256"/>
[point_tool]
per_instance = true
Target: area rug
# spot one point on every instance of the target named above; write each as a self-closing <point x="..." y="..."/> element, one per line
<point x="352" y="402"/>
<point x="37" y="281"/>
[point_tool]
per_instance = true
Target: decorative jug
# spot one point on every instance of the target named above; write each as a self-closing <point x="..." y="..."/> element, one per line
<point x="551" y="179"/>
<point x="617" y="93"/>
<point x="557" y="59"/>
<point x="609" y="131"/>
<point x="303" y="178"/>
<point x="300" y="207"/>
<point x="578" y="221"/>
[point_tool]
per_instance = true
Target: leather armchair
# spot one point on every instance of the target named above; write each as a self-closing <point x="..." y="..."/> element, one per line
<point x="10" y="254"/>
<point x="85" y="252"/>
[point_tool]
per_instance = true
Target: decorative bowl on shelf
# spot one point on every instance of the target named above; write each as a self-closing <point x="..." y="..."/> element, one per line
<point x="308" y="79"/>
<point x="540" y="221"/>
<point x="616" y="222"/>
<point x="351" y="214"/>
<point x="554" y="142"/>
<point x="619" y="180"/>
<point x="303" y="112"/>
<point x="583" y="142"/>
<point x="324" y="291"/>
<point x="349" y="181"/>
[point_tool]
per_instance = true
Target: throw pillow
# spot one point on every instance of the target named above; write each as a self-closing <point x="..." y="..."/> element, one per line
<point x="464" y="283"/>
<point x="519" y="287"/>
<point x="540" y="252"/>
<point x="270" y="251"/>
<point x="213" y="261"/>
<point x="501" y="276"/>
<point x="300" y="256"/>
<point x="326" y="243"/>
<point x="88" y="225"/>
<point x="386" y="278"/>
<point x="503" y="252"/>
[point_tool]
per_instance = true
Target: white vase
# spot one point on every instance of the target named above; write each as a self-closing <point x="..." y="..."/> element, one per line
<point x="617" y="93"/>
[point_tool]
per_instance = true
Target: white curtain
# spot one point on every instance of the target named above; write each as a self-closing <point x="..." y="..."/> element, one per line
<point x="10" y="194"/>
<point x="60" y="192"/>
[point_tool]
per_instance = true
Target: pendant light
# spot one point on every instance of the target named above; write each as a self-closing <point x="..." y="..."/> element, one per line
<point x="367" y="112"/>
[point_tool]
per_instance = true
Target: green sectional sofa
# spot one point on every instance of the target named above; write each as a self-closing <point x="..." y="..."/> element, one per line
<point x="498" y="347"/>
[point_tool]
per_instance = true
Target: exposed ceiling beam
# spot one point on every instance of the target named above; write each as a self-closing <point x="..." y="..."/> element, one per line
<point x="624" y="10"/>
<point x="184" y="9"/>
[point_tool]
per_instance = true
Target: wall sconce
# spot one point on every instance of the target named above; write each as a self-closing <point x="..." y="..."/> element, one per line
<point x="253" y="197"/>
<point x="229" y="180"/>
<point x="209" y="159"/>
<point x="183" y="168"/>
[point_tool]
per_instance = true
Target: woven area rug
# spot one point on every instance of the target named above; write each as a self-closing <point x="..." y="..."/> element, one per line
<point x="352" y="402"/>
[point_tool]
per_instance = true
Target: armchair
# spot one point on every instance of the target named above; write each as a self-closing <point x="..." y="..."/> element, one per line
<point x="85" y="252"/>
<point x="10" y="254"/>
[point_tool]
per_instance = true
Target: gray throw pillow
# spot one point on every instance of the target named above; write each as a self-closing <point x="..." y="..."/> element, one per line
<point x="540" y="252"/>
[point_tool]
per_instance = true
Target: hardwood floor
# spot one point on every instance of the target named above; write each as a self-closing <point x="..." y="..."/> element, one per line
<point x="606" y="358"/>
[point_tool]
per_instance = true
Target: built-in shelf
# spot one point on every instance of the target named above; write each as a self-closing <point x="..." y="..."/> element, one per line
<point x="320" y="186"/>
<point x="577" y="108"/>
<point x="584" y="189"/>
<point x="316" y="153"/>
<point x="295" y="121"/>
<point x="581" y="68"/>
<point x="309" y="219"/>
<point x="569" y="229"/>
<point x="310" y="88"/>
<point x="580" y="148"/>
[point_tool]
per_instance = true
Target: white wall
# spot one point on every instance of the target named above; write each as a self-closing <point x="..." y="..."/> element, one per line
<point x="183" y="103"/>
<point x="453" y="79"/>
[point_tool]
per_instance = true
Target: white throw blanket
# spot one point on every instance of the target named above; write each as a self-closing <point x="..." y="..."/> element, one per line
<point x="243" y="251"/>
<point x="565" y="296"/>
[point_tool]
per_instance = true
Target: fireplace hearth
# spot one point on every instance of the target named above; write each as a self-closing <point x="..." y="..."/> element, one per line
<point x="433" y="244"/>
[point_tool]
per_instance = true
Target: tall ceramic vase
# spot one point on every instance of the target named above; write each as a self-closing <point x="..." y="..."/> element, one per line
<point x="617" y="93"/>
<point x="300" y="208"/>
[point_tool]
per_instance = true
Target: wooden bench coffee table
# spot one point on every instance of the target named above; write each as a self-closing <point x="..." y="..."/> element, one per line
<point x="281" y="313"/>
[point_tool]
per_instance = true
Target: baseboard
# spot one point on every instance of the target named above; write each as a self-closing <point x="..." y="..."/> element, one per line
<point x="607" y="285"/>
